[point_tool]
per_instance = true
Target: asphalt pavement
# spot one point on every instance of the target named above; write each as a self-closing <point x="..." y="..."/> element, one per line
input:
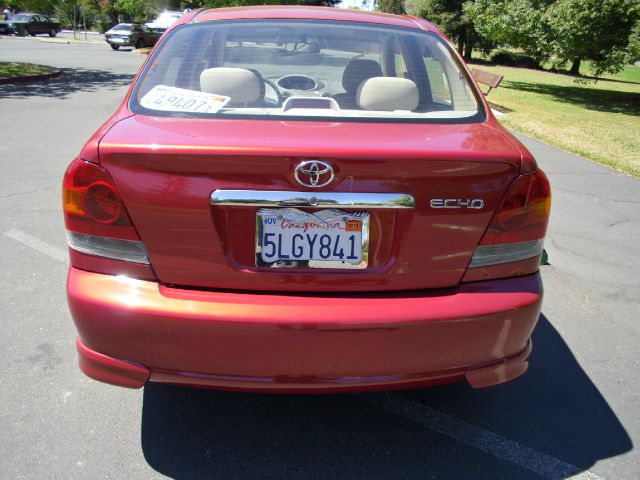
<point x="574" y="414"/>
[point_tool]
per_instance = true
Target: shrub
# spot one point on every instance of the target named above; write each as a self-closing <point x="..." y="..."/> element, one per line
<point x="514" y="59"/>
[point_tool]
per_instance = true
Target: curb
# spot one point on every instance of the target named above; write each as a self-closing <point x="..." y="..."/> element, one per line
<point x="53" y="40"/>
<point x="81" y="32"/>
<point x="68" y="40"/>
<point x="29" y="78"/>
<point x="56" y="40"/>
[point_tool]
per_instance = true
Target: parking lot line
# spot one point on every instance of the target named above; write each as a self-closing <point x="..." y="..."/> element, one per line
<point x="43" y="247"/>
<point x="477" y="437"/>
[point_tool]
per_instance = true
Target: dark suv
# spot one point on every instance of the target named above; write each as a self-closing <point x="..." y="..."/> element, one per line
<point x="30" y="23"/>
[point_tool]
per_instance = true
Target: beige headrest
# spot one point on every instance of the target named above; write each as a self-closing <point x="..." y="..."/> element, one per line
<point x="388" y="94"/>
<point x="242" y="85"/>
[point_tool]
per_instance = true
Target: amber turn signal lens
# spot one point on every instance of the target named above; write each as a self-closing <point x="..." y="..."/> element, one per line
<point x="71" y="201"/>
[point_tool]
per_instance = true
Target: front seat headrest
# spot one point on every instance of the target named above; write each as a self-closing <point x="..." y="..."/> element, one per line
<point x="357" y="71"/>
<point x="387" y="94"/>
<point x="240" y="84"/>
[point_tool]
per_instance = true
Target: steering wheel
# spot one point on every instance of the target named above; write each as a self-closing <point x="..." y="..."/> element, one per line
<point x="274" y="87"/>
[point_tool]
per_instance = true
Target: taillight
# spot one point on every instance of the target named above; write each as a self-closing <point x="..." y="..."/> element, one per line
<point x="96" y="220"/>
<point x="523" y="213"/>
<point x="517" y="230"/>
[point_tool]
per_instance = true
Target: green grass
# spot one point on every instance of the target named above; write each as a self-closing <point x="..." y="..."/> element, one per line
<point x="629" y="74"/>
<point x="597" y="120"/>
<point x="18" y="69"/>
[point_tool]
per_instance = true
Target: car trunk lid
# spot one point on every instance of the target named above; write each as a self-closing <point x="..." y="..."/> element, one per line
<point x="167" y="169"/>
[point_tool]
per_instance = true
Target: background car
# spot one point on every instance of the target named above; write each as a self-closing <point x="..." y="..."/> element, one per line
<point x="30" y="23"/>
<point x="304" y="200"/>
<point x="164" y="20"/>
<point x="131" y="35"/>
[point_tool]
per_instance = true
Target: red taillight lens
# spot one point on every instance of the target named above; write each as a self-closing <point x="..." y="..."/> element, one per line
<point x="91" y="203"/>
<point x="523" y="213"/>
<point x="102" y="203"/>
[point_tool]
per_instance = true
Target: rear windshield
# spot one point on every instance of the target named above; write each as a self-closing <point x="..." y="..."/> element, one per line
<point x="307" y="69"/>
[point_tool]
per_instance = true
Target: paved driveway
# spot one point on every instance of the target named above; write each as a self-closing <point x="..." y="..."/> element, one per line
<point x="574" y="413"/>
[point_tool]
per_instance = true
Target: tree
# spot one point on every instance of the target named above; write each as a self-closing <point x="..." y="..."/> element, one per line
<point x="597" y="30"/>
<point x="634" y="43"/>
<point x="138" y="11"/>
<point x="449" y="15"/>
<point x="39" y="6"/>
<point x="512" y="23"/>
<point x="67" y="11"/>
<point x="562" y="30"/>
<point x="391" y="6"/>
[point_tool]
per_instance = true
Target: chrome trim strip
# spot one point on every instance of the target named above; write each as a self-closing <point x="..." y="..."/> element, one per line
<point x="272" y="198"/>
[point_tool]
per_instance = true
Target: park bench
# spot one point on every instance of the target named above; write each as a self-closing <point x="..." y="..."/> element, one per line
<point x="487" y="78"/>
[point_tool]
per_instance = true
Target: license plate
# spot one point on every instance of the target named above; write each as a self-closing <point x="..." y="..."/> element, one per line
<point x="329" y="238"/>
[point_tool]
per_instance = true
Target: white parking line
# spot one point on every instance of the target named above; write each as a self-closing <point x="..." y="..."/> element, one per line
<point x="474" y="436"/>
<point x="43" y="247"/>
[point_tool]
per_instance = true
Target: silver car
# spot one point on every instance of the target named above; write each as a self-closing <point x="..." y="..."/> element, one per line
<point x="131" y="35"/>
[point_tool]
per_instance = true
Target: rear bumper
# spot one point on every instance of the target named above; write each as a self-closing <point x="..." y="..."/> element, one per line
<point x="134" y="331"/>
<point x="121" y="43"/>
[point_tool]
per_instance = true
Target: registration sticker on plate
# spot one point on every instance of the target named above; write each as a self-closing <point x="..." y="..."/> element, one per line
<point x="288" y="237"/>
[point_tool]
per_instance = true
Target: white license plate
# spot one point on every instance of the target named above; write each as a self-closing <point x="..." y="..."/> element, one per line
<point x="288" y="237"/>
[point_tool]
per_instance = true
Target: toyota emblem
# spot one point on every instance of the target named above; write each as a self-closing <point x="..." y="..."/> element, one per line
<point x="314" y="173"/>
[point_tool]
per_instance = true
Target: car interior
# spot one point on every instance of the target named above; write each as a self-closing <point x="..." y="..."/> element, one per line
<point x="323" y="69"/>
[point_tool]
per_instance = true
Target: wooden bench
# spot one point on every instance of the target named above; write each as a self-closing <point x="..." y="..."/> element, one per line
<point x="487" y="78"/>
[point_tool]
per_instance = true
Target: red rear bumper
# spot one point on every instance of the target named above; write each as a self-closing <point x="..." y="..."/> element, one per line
<point x="132" y="331"/>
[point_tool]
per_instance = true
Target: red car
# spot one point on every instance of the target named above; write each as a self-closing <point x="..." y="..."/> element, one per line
<point x="304" y="200"/>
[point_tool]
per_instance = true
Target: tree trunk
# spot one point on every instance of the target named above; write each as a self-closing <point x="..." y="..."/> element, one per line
<point x="468" y="46"/>
<point x="467" y="52"/>
<point x="463" y="38"/>
<point x="575" y="67"/>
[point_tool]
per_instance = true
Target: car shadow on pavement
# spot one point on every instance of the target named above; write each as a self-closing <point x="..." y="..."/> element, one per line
<point x="72" y="80"/>
<point x="554" y="409"/>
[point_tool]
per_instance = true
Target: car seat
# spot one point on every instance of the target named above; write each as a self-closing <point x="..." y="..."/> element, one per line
<point x="357" y="71"/>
